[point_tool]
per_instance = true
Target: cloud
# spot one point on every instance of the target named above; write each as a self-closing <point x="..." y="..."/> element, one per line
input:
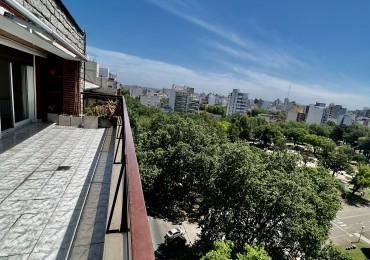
<point x="264" y="57"/>
<point x="183" y="10"/>
<point x="152" y="73"/>
<point x="232" y="45"/>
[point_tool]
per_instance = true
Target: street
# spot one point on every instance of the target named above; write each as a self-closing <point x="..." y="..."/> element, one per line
<point x="348" y="224"/>
<point x="159" y="228"/>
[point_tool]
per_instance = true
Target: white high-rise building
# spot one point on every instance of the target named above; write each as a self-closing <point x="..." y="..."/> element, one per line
<point x="315" y="114"/>
<point x="181" y="99"/>
<point x="211" y="99"/>
<point x="238" y="102"/>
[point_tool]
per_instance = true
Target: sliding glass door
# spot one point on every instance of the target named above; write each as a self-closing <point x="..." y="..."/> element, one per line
<point x="6" y="106"/>
<point x="14" y="94"/>
<point x="20" y="92"/>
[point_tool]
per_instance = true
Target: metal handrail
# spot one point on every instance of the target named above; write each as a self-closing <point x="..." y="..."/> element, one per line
<point x="133" y="212"/>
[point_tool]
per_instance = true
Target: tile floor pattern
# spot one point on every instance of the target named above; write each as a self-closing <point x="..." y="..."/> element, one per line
<point x="38" y="198"/>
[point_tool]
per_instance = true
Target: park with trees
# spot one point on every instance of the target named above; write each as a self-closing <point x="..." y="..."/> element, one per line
<point x="252" y="197"/>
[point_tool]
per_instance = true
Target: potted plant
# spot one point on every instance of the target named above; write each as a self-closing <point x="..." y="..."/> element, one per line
<point x="64" y="120"/>
<point x="52" y="116"/>
<point x="102" y="112"/>
<point x="109" y="118"/>
<point x="76" y="120"/>
<point x="91" y="118"/>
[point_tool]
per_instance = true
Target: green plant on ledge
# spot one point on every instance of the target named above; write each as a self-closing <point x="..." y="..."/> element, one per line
<point x="105" y="109"/>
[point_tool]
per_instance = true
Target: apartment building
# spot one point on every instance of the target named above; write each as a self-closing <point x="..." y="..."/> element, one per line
<point x="315" y="114"/>
<point x="238" y="102"/>
<point x="334" y="111"/>
<point x="182" y="99"/>
<point x="42" y="55"/>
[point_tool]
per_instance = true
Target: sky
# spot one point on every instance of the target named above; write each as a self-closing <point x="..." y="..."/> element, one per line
<point x="320" y="50"/>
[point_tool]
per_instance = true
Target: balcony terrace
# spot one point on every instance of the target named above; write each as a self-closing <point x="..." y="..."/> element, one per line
<point x="72" y="193"/>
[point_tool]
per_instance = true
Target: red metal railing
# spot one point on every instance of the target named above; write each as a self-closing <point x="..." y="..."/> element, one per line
<point x="141" y="242"/>
<point x="134" y="219"/>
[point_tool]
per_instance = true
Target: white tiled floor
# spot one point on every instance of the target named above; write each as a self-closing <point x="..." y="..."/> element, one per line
<point x="38" y="203"/>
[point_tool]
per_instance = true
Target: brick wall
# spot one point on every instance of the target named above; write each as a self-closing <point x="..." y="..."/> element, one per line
<point x="71" y="80"/>
<point x="54" y="14"/>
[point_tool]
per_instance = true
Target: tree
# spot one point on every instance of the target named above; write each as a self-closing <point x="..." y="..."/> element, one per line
<point x="253" y="253"/>
<point x="321" y="130"/>
<point x="353" y="132"/>
<point x="361" y="179"/>
<point x="297" y="135"/>
<point x="217" y="109"/>
<point x="337" y="133"/>
<point x="164" y="100"/>
<point x="254" y="197"/>
<point x="256" y="111"/>
<point x="329" y="252"/>
<point x="323" y="143"/>
<point x="364" y="145"/>
<point x="337" y="161"/>
<point x="312" y="140"/>
<point x="268" y="134"/>
<point x="226" y="250"/>
<point x="221" y="251"/>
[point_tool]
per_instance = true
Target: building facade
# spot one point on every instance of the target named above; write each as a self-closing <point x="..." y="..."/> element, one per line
<point x="42" y="55"/>
<point x="315" y="114"/>
<point x="181" y="99"/>
<point x="238" y="102"/>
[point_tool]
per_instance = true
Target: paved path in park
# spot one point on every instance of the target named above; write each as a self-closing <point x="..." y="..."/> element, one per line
<point x="43" y="176"/>
<point x="348" y="224"/>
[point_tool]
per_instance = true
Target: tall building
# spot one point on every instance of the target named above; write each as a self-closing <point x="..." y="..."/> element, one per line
<point x="334" y="111"/>
<point x="211" y="99"/>
<point x="182" y="100"/>
<point x="238" y="102"/>
<point x="315" y="114"/>
<point x="104" y="72"/>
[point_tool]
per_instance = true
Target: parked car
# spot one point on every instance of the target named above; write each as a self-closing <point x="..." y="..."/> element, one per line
<point x="174" y="233"/>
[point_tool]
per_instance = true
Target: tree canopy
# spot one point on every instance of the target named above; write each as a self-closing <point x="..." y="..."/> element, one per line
<point x="194" y="164"/>
<point x="362" y="178"/>
<point x="259" y="198"/>
<point x="226" y="251"/>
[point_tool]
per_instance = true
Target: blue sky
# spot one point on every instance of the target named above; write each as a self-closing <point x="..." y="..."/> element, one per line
<point x="320" y="48"/>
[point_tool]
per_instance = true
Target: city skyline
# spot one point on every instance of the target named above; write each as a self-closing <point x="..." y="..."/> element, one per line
<point x="262" y="48"/>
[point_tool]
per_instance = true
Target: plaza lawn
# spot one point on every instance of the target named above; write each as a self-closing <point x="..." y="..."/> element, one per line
<point x="361" y="252"/>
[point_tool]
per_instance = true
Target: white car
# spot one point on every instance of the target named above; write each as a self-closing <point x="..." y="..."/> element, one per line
<point x="174" y="233"/>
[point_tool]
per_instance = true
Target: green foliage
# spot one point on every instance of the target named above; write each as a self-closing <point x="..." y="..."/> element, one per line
<point x="362" y="178"/>
<point x="241" y="193"/>
<point x="256" y="197"/>
<point x="337" y="133"/>
<point x="217" y="109"/>
<point x="268" y="134"/>
<point x="329" y="252"/>
<point x="319" y="142"/>
<point x="337" y="161"/>
<point x="221" y="251"/>
<point x="297" y="135"/>
<point x="243" y="127"/>
<point x="354" y="132"/>
<point x="256" y="111"/>
<point x="364" y="145"/>
<point x="226" y="250"/>
<point x="323" y="130"/>
<point x="253" y="253"/>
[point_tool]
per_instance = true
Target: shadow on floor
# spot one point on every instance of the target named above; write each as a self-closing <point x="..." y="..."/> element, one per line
<point x="15" y="137"/>
<point x="355" y="200"/>
<point x="366" y="252"/>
